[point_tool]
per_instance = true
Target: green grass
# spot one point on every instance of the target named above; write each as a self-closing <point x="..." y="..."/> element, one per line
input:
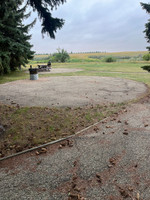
<point x="13" y="76"/>
<point x="129" y="70"/>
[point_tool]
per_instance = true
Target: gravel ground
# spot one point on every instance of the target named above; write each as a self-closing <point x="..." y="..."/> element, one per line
<point x="109" y="161"/>
<point x="61" y="70"/>
<point x="70" y="91"/>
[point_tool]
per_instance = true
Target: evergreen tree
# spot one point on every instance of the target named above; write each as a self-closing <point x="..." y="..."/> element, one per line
<point x="146" y="6"/>
<point x="49" y="24"/>
<point x="15" y="49"/>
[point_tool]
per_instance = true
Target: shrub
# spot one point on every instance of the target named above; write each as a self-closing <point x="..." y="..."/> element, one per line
<point x="147" y="67"/>
<point x="61" y="56"/>
<point x="146" y="57"/>
<point x="110" y="59"/>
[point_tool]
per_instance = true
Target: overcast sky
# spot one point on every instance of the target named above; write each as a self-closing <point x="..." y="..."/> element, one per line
<point x="95" y="25"/>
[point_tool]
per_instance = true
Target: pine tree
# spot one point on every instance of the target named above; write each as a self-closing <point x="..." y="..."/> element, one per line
<point x="15" y="49"/>
<point x="49" y="24"/>
<point x="146" y="6"/>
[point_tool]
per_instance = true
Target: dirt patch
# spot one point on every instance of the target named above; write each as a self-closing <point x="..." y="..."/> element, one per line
<point x="61" y="70"/>
<point x="70" y="91"/>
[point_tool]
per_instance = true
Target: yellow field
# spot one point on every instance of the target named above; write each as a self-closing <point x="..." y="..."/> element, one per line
<point x="41" y="55"/>
<point x="85" y="55"/>
<point x="129" y="53"/>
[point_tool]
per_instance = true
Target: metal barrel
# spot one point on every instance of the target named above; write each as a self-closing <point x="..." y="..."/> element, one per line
<point x="33" y="73"/>
<point x="34" y="76"/>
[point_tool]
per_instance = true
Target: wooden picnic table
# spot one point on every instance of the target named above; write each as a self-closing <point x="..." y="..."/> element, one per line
<point x="44" y="67"/>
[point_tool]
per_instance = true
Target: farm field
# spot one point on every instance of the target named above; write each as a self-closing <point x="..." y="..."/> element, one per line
<point x="86" y="55"/>
<point x="126" y="53"/>
<point x="29" y="127"/>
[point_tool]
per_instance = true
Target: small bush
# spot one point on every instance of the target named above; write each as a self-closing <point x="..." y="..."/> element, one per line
<point x="146" y="57"/>
<point x="110" y="59"/>
<point x="61" y="56"/>
<point x="147" y="68"/>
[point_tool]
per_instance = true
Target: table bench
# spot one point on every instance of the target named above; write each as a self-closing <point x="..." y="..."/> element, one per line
<point x="42" y="68"/>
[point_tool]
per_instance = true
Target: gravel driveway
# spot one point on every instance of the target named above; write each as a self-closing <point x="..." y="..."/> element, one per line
<point x="109" y="161"/>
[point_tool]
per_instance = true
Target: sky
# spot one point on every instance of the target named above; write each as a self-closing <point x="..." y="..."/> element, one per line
<point x="95" y="25"/>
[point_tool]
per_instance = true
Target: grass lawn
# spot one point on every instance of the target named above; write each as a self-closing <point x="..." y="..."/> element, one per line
<point x="28" y="127"/>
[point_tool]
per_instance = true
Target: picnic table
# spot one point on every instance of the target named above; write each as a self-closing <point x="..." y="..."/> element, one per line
<point x="42" y="68"/>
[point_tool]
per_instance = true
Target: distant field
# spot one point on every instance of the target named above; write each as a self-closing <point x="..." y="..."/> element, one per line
<point x="41" y="55"/>
<point x="129" y="53"/>
<point x="95" y="56"/>
<point x="86" y="55"/>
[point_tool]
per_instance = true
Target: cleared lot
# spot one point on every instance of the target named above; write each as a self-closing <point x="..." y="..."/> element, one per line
<point x="71" y="91"/>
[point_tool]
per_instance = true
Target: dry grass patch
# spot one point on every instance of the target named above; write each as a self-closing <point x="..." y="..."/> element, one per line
<point x="28" y="127"/>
